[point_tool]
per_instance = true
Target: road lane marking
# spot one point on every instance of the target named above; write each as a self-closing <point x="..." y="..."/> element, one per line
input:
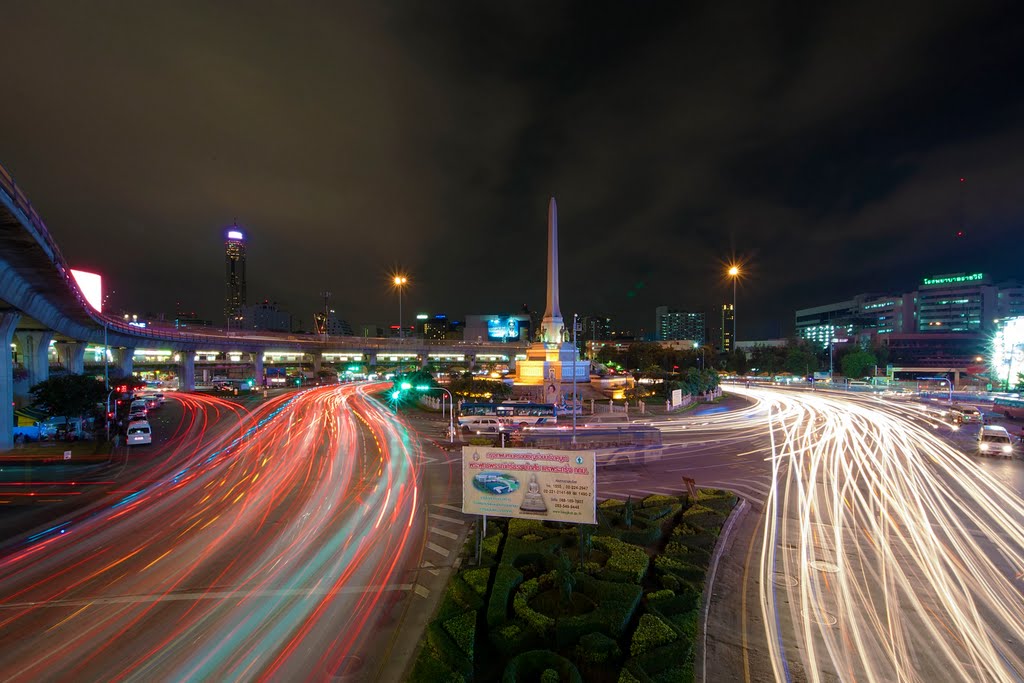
<point x="438" y="549"/>
<point x="443" y="532"/>
<point x="453" y="520"/>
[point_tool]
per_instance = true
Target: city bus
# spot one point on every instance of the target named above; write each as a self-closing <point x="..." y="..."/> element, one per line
<point x="510" y="413"/>
<point x="1011" y="407"/>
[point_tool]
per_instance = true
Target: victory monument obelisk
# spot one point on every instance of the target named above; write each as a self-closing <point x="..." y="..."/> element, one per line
<point x="554" y="359"/>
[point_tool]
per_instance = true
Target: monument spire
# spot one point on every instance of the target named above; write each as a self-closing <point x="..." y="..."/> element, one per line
<point x="551" y="325"/>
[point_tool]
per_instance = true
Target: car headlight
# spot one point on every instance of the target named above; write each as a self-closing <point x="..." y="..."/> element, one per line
<point x="983" y="446"/>
<point x="1007" y="448"/>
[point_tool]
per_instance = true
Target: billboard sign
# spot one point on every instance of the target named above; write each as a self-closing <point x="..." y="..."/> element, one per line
<point x="530" y="483"/>
<point x="91" y="285"/>
<point x="503" y="329"/>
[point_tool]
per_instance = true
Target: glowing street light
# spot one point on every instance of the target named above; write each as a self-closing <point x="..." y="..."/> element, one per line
<point x="734" y="273"/>
<point x="400" y="281"/>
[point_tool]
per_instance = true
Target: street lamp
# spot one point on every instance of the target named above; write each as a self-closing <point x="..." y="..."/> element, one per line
<point x="400" y="281"/>
<point x="451" y="407"/>
<point x="734" y="273"/>
<point x="703" y="354"/>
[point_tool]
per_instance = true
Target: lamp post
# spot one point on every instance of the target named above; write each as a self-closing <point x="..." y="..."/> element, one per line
<point x="326" y="295"/>
<point x="831" y="343"/>
<point x="703" y="354"/>
<point x="734" y="273"/>
<point x="400" y="281"/>
<point x="451" y="409"/>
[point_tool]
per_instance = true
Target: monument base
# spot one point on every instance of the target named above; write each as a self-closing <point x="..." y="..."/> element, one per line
<point x="543" y="361"/>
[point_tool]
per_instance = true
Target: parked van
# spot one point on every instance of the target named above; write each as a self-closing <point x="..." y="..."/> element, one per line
<point x="139" y="433"/>
<point x="995" y="440"/>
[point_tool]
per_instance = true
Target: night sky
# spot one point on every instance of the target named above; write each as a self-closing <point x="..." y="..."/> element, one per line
<point x="822" y="147"/>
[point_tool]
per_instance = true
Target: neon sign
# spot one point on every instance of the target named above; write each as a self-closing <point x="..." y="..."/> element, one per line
<point x="234" y="235"/>
<point x="952" y="279"/>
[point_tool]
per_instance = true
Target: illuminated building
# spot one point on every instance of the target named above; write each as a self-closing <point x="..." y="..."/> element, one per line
<point x="672" y="324"/>
<point x="728" y="317"/>
<point x="265" y="316"/>
<point x="956" y="303"/>
<point x="234" y="276"/>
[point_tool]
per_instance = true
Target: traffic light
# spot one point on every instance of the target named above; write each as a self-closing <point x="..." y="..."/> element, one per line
<point x="406" y="386"/>
<point x="395" y="395"/>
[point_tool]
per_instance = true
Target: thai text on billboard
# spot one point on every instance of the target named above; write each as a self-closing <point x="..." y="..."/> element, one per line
<point x="530" y="483"/>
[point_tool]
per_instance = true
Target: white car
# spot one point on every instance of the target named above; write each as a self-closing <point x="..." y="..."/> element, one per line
<point x="995" y="440"/>
<point x="139" y="433"/>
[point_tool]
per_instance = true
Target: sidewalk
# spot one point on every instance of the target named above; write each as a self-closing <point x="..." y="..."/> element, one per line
<point x="43" y="452"/>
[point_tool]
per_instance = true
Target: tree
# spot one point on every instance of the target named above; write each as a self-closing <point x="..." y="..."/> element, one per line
<point x="858" y="363"/>
<point x="800" y="360"/>
<point x="68" y="395"/>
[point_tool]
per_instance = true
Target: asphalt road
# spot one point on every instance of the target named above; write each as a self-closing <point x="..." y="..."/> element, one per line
<point x="291" y="546"/>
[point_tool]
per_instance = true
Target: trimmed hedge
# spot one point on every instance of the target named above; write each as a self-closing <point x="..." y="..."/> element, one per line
<point x="652" y="632"/>
<point x="430" y="669"/>
<point x="624" y="559"/>
<point x="521" y="527"/>
<point x="477" y="579"/>
<point x="672" y="663"/>
<point x="541" y="623"/>
<point x="530" y="666"/>
<point x="626" y="677"/>
<point x="611" y="504"/>
<point x="513" y="637"/>
<point x="597" y="648"/>
<point x="660" y="596"/>
<point x="506" y="579"/>
<point x="448" y="651"/>
<point x="684" y="571"/>
<point x="462" y="629"/>
<point x="489" y="548"/>
<point x="657" y="499"/>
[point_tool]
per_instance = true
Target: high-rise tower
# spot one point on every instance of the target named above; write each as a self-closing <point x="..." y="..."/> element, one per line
<point x="234" y="275"/>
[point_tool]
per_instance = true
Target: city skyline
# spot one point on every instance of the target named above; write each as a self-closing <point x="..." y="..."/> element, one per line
<point x="828" y="151"/>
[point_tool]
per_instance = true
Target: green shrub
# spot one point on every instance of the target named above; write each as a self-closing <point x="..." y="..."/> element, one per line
<point x="653" y="514"/>
<point x="448" y="651"/>
<point x="687" y="623"/>
<point x="592" y="568"/>
<point x="657" y="499"/>
<point x="458" y="597"/>
<point x="541" y="623"/>
<point x="652" y="632"/>
<point x="550" y="676"/>
<point x="597" y="648"/>
<point x="672" y="663"/>
<point x="489" y="548"/>
<point x="521" y="527"/>
<point x="530" y="666"/>
<point x="477" y="579"/>
<point x="616" y="602"/>
<point x="429" y="669"/>
<point x="669" y="581"/>
<point x="626" y="677"/>
<point x="624" y="559"/>
<point x="513" y="637"/>
<point x="677" y="604"/>
<point x="704" y="518"/>
<point x="642" y="533"/>
<point x="660" y="596"/>
<point x="505" y="581"/>
<point x="532" y="538"/>
<point x="684" y="571"/>
<point x="611" y="504"/>
<point x="462" y="629"/>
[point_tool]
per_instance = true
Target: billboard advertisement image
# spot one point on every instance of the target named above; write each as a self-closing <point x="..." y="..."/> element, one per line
<point x="530" y="483"/>
<point x="503" y="329"/>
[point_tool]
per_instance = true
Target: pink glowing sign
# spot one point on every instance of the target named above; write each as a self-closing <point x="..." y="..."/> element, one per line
<point x="91" y="285"/>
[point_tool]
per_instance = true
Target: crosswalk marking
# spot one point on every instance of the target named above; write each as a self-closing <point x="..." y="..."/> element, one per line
<point x="421" y="591"/>
<point x="444" y="518"/>
<point x="443" y="532"/>
<point x="444" y="552"/>
<point x="446" y="506"/>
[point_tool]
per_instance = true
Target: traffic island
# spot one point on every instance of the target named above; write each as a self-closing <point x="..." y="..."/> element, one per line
<point x="552" y="601"/>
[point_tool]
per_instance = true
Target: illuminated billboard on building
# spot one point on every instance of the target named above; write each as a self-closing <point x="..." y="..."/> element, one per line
<point x="91" y="285"/>
<point x="501" y="329"/>
<point x="1008" y="352"/>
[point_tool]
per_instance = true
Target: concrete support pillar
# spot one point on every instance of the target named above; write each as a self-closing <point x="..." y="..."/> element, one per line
<point x="125" y="359"/>
<point x="257" y="364"/>
<point x="8" y="323"/>
<point x="187" y="371"/>
<point x="512" y="364"/>
<point x="470" y="361"/>
<point x="424" y="360"/>
<point x="318" y="360"/>
<point x="72" y="356"/>
<point x="35" y="351"/>
<point x="371" y="359"/>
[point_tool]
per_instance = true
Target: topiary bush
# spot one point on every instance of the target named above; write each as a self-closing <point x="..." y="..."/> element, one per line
<point x="505" y="581"/>
<point x="550" y="676"/>
<point x="513" y="637"/>
<point x="625" y="561"/>
<point x="652" y="632"/>
<point x="462" y="629"/>
<point x="530" y="666"/>
<point x="449" y="652"/>
<point x="430" y="669"/>
<point x="657" y="500"/>
<point x="541" y="623"/>
<point x="597" y="648"/>
<point x="660" y="596"/>
<point x="477" y="579"/>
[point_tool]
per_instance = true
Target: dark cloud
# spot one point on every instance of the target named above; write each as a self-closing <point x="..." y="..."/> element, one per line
<point x="821" y="145"/>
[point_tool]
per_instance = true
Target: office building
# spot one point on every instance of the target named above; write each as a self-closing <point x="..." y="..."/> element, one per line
<point x="594" y="327"/>
<point x="728" y="327"/>
<point x="675" y="324"/>
<point x="234" y="276"/>
<point x="334" y="327"/>
<point x="264" y="316"/>
<point x="956" y="303"/>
